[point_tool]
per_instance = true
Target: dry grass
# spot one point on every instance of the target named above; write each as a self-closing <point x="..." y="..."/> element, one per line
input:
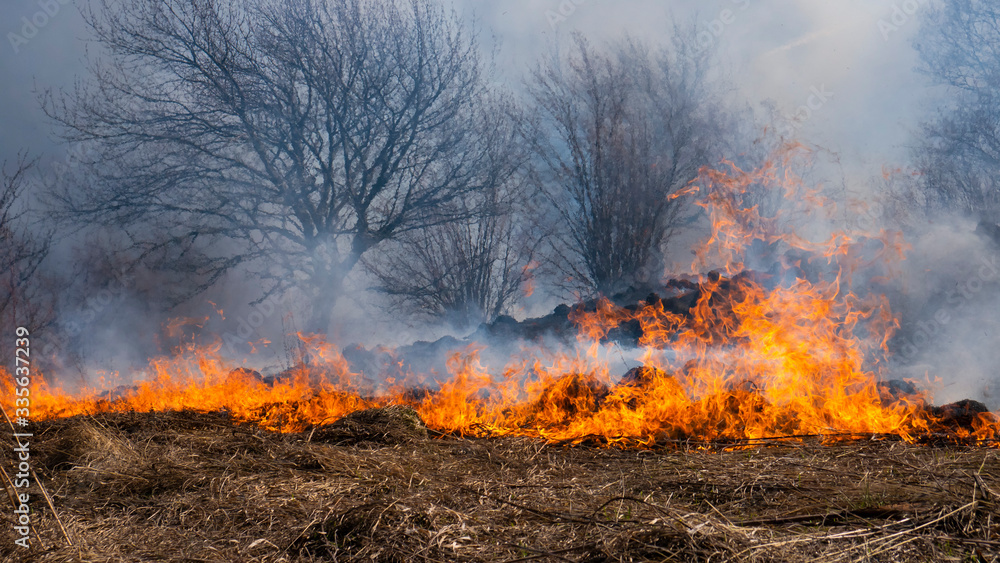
<point x="194" y="487"/>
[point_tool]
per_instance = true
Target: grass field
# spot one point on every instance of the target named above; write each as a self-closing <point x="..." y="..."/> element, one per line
<point x="195" y="487"/>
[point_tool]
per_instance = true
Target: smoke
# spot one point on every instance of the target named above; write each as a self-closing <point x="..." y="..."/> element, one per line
<point x="946" y="302"/>
<point x="839" y="75"/>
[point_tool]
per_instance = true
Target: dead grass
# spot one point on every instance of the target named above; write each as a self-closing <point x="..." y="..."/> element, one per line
<point x="194" y="487"/>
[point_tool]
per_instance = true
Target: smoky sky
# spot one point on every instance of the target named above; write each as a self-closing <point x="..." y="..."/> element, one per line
<point x="857" y="51"/>
<point x="851" y="61"/>
<point x="51" y="57"/>
<point x="841" y="75"/>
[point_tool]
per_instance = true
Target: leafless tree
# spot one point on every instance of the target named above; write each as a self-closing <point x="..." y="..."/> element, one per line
<point x="463" y="272"/>
<point x="959" y="152"/>
<point x="752" y="142"/>
<point x="288" y="137"/>
<point x="618" y="133"/>
<point x="24" y="299"/>
<point x="471" y="270"/>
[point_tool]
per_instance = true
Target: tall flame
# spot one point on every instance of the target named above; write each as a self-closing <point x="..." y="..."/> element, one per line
<point x="787" y="352"/>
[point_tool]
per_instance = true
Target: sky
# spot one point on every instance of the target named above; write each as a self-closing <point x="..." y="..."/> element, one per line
<point x="782" y="50"/>
<point x="857" y="53"/>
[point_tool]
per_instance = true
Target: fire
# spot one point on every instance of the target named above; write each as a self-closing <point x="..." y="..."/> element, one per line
<point x="790" y="352"/>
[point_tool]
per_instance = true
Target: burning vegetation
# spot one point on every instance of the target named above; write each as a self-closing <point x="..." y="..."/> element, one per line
<point x="750" y="409"/>
<point x="735" y="357"/>
<point x="777" y="377"/>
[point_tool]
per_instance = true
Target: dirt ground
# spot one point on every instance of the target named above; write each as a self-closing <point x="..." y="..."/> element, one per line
<point x="195" y="487"/>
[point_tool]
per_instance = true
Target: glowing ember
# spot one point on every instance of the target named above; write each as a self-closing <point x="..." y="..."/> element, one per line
<point x="786" y="353"/>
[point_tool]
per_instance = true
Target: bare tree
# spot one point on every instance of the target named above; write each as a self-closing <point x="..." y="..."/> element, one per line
<point x="752" y="141"/>
<point x="464" y="272"/>
<point x="471" y="270"/>
<point x="618" y="134"/>
<point x="24" y="300"/>
<point x="959" y="152"/>
<point x="289" y="137"/>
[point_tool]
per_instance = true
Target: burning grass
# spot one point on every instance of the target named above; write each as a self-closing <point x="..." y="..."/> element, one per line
<point x="738" y="356"/>
<point x="187" y="486"/>
<point x="759" y="427"/>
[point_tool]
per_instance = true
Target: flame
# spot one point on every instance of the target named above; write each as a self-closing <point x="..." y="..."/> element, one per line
<point x="791" y="352"/>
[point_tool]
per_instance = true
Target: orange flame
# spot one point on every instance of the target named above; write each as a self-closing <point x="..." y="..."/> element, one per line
<point x="790" y="352"/>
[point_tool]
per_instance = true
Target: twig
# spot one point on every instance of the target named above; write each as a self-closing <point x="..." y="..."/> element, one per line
<point x="544" y="513"/>
<point x="52" y="507"/>
<point x="640" y="501"/>
<point x="542" y="553"/>
<point x="302" y="533"/>
<point x="969" y="540"/>
<point x="824" y="518"/>
<point x="988" y="493"/>
<point x="724" y="517"/>
<point x="887" y="539"/>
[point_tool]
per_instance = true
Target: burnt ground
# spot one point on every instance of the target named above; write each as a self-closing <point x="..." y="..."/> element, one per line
<point x="195" y="487"/>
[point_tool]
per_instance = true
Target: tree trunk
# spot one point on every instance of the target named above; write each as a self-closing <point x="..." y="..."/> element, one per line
<point x="325" y="295"/>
